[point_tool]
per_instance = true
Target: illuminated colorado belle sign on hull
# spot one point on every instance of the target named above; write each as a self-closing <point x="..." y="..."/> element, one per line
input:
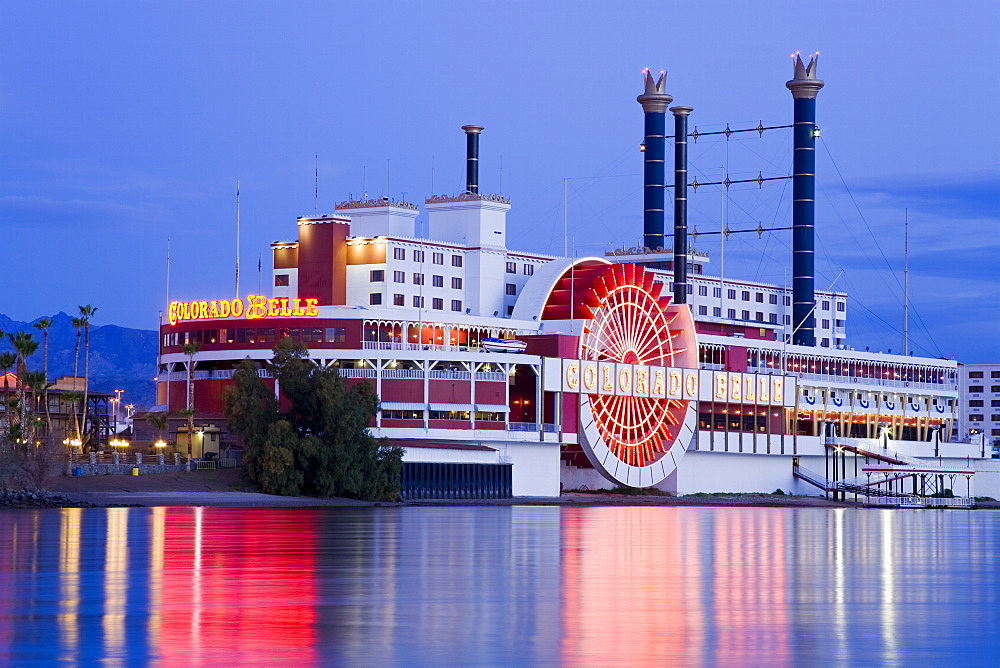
<point x="255" y="307"/>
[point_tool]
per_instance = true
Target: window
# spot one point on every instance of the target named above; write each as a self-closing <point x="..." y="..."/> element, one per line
<point x="995" y="403"/>
<point x="456" y="304"/>
<point x="437" y="304"/>
<point x="336" y="334"/>
<point x="512" y="267"/>
<point x="759" y="296"/>
<point x="702" y="291"/>
<point x="994" y="388"/>
<point x="772" y="318"/>
<point x="418" y="301"/>
<point x="839" y="324"/>
<point x="399" y="277"/>
<point x="529" y="270"/>
<point x="437" y="281"/>
<point x="826" y="305"/>
<point x="418" y="279"/>
<point x="788" y="319"/>
<point x="280" y="280"/>
<point x="510" y="310"/>
<point x="399" y="253"/>
<point x="376" y="276"/>
<point x="975" y="418"/>
<point x="745" y="315"/>
<point x="690" y="289"/>
<point x="975" y="388"/>
<point x="731" y="294"/>
<point x="745" y="295"/>
<point x="456" y="260"/>
<point x="772" y="299"/>
<point x="825" y="324"/>
<point x="511" y="289"/>
<point x="717" y="292"/>
<point x="788" y="301"/>
<point x="975" y="374"/>
<point x="418" y="256"/>
<point x="975" y="403"/>
<point x="716" y="311"/>
<point x="994" y="374"/>
<point x="759" y="316"/>
<point x="456" y="283"/>
<point x="375" y="298"/>
<point x="841" y="307"/>
<point x="731" y="314"/>
<point x="702" y="310"/>
<point x="995" y="432"/>
<point x="399" y="300"/>
<point x="825" y="343"/>
<point x="437" y="258"/>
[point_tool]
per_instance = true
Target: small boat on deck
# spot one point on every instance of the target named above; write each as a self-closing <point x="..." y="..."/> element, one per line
<point x="495" y="345"/>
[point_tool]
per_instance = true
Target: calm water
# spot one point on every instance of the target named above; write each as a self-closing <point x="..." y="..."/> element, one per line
<point x="522" y="585"/>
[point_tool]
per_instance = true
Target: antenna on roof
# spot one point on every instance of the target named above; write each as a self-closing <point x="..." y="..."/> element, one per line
<point x="316" y="193"/>
<point x="906" y="281"/>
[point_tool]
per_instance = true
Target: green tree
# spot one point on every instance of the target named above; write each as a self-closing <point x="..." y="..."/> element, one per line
<point x="7" y="362"/>
<point x="157" y="421"/>
<point x="78" y="326"/>
<point x="34" y="381"/>
<point x="86" y="313"/>
<point x="323" y="434"/>
<point x="190" y="349"/>
<point x="44" y="325"/>
<point x="25" y="346"/>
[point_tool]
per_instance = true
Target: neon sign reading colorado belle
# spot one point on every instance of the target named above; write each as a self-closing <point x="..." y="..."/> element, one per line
<point x="255" y="307"/>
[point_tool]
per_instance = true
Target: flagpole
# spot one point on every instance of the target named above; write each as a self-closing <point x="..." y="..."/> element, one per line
<point x="237" y="239"/>
<point x="260" y="277"/>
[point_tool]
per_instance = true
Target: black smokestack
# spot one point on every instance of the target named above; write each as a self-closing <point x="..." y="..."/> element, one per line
<point x="472" y="157"/>
<point x="654" y="103"/>
<point x="804" y="87"/>
<point x="680" y="202"/>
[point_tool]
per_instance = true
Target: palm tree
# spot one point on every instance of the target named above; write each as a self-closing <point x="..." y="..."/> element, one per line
<point x="157" y="421"/>
<point x="7" y="362"/>
<point x="78" y="326"/>
<point x="43" y="326"/>
<point x="35" y="380"/>
<point x="190" y="349"/>
<point x="86" y="313"/>
<point x="24" y="347"/>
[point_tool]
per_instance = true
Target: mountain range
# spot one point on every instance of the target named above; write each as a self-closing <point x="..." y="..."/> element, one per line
<point x="120" y="358"/>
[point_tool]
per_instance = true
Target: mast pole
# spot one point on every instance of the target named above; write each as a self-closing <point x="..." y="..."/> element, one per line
<point x="906" y="281"/>
<point x="237" y="295"/>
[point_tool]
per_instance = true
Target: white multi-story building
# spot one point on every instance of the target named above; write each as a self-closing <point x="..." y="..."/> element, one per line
<point x="979" y="406"/>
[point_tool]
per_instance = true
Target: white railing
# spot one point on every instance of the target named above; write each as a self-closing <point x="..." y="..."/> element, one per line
<point x="881" y="382"/>
<point x="450" y="375"/>
<point x="920" y="502"/>
<point x="357" y="373"/>
<point x="494" y="376"/>
<point x="226" y="374"/>
<point x="403" y="373"/>
<point x="532" y="426"/>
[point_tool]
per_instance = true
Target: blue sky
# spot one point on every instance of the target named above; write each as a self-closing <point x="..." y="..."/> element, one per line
<point x="127" y="122"/>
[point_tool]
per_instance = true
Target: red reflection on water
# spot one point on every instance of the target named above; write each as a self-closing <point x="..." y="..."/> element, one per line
<point x="239" y="588"/>
<point x="674" y="586"/>
<point x="750" y="586"/>
<point x="631" y="587"/>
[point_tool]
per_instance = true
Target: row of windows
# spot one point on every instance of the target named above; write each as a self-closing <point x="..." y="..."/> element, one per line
<point x="419" y="256"/>
<point x="378" y="276"/>
<point x="758" y="297"/>
<point x="979" y="374"/>
<point x="979" y="388"/>
<point x="418" y="301"/>
<point x="528" y="269"/>
<point x="256" y="335"/>
<point x="978" y="403"/>
<point x="442" y="415"/>
<point x="979" y="418"/>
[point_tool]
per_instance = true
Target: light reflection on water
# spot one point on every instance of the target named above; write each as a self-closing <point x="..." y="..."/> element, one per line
<point x="499" y="585"/>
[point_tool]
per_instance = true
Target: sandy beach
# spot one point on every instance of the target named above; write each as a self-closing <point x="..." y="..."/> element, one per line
<point x="222" y="489"/>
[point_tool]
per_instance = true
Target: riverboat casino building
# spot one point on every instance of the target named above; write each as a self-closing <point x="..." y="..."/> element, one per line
<point x="641" y="368"/>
